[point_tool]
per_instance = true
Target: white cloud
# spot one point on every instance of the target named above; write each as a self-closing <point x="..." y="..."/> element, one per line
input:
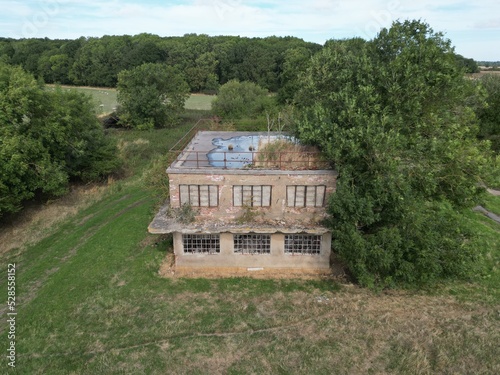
<point x="316" y="20"/>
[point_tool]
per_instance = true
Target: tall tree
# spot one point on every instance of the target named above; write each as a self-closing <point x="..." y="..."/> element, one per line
<point x="393" y="116"/>
<point x="295" y="63"/>
<point x="46" y="139"/>
<point x="489" y="116"/>
<point x="151" y="95"/>
<point x="202" y="76"/>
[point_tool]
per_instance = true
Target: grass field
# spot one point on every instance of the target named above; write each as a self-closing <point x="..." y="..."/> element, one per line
<point x="200" y="102"/>
<point x="106" y="102"/>
<point x="90" y="300"/>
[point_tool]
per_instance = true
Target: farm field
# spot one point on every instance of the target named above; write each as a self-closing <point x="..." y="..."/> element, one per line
<point x="90" y="299"/>
<point x="106" y="102"/>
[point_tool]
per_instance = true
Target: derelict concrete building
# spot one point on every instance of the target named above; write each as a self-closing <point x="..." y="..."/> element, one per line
<point x="254" y="210"/>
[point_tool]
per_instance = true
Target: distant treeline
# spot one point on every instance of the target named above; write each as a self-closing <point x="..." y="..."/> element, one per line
<point x="489" y="63"/>
<point x="206" y="61"/>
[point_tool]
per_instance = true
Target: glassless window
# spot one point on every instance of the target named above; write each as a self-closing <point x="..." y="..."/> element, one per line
<point x="201" y="243"/>
<point x="252" y="243"/>
<point x="302" y="244"/>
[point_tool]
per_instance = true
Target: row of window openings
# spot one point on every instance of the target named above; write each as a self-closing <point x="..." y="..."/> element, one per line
<point x="252" y="195"/>
<point x="251" y="244"/>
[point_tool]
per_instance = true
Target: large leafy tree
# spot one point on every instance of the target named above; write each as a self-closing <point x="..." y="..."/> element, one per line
<point x="46" y="139"/>
<point x="294" y="64"/>
<point x="151" y="95"/>
<point x="489" y="116"/>
<point x="394" y="116"/>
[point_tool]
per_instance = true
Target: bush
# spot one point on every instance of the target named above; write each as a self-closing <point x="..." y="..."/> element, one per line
<point x="241" y="99"/>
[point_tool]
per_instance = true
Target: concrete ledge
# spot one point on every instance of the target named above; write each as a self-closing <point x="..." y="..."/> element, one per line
<point x="253" y="272"/>
<point x="163" y="224"/>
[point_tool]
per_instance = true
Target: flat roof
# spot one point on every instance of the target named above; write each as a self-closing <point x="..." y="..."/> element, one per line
<point x="243" y="150"/>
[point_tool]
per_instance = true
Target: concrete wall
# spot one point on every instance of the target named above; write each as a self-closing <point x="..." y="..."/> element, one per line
<point x="278" y="180"/>
<point x="276" y="260"/>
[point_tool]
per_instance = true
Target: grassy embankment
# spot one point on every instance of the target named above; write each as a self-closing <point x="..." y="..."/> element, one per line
<point x="90" y="301"/>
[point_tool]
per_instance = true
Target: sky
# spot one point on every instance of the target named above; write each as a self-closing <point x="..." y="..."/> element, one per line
<point x="473" y="27"/>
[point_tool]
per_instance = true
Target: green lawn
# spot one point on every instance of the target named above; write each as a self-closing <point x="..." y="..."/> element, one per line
<point x="91" y="301"/>
<point x="106" y="102"/>
<point x="200" y="102"/>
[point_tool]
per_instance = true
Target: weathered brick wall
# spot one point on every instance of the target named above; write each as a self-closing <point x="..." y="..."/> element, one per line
<point x="278" y="180"/>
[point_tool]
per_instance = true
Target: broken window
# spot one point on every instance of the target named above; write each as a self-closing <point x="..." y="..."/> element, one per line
<point x="199" y="195"/>
<point x="252" y="243"/>
<point x="302" y="244"/>
<point x="305" y="195"/>
<point x="201" y="243"/>
<point x="252" y="195"/>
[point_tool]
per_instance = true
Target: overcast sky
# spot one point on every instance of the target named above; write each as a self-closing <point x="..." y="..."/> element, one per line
<point x="473" y="27"/>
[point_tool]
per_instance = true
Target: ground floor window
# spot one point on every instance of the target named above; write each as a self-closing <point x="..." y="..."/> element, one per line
<point x="201" y="243"/>
<point x="302" y="244"/>
<point x="252" y="243"/>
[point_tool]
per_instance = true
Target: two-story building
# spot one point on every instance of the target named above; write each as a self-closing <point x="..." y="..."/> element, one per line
<point x="254" y="210"/>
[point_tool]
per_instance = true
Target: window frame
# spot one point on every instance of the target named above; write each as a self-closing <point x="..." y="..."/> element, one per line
<point x="307" y="190"/>
<point x="199" y="191"/>
<point x="316" y="244"/>
<point x="252" y="195"/>
<point x="239" y="238"/>
<point x="202" y="239"/>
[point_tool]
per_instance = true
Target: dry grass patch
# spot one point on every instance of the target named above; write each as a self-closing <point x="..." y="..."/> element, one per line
<point x="359" y="333"/>
<point x="284" y="154"/>
<point x="353" y="331"/>
<point x="38" y="221"/>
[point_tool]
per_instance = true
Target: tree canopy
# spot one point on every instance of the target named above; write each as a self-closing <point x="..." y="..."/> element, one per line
<point x="207" y="61"/>
<point x="395" y="116"/>
<point x="151" y="95"/>
<point x="47" y="138"/>
<point x="241" y="99"/>
<point x="489" y="116"/>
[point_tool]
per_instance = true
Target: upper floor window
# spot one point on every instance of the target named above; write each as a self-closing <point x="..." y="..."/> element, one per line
<point x="305" y="195"/>
<point x="252" y="195"/>
<point x="199" y="195"/>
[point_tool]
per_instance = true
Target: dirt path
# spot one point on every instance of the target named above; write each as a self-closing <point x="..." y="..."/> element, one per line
<point x="496" y="193"/>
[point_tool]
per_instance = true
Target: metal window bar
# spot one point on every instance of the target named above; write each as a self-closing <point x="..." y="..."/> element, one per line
<point x="201" y="243"/>
<point x="252" y="243"/>
<point x="320" y="198"/>
<point x="303" y="244"/>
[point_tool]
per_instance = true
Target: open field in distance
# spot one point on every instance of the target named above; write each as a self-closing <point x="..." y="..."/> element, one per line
<point x="106" y="101"/>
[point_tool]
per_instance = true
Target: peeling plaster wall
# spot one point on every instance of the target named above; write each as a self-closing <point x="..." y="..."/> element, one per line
<point x="279" y="181"/>
<point x="277" y="259"/>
